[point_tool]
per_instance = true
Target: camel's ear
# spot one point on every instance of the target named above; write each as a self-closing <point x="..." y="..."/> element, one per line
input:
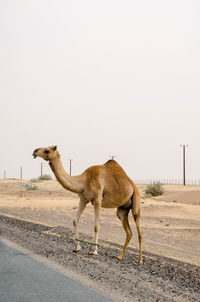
<point x="54" y="148"/>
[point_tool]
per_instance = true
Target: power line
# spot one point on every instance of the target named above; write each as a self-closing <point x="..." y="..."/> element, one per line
<point x="41" y="169"/>
<point x="184" y="146"/>
<point x="70" y="166"/>
<point x="21" y="172"/>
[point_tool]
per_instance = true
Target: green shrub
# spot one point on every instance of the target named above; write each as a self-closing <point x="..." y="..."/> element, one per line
<point x="45" y="177"/>
<point x="154" y="189"/>
<point x="34" y="179"/>
<point x="30" y="186"/>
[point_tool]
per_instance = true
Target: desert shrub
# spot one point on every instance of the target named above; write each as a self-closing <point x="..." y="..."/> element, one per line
<point x="154" y="189"/>
<point x="30" y="186"/>
<point x="45" y="177"/>
<point x="34" y="179"/>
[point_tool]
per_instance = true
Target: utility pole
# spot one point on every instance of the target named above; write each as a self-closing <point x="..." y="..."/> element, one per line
<point x="70" y="166"/>
<point x="112" y="156"/>
<point x="4" y="174"/>
<point x="20" y="172"/>
<point x="41" y="169"/>
<point x="184" y="146"/>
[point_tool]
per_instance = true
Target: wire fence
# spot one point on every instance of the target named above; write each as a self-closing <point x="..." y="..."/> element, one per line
<point x="165" y="181"/>
<point x="188" y="182"/>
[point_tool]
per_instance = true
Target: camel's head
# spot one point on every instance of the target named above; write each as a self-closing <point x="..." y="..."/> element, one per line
<point x="48" y="153"/>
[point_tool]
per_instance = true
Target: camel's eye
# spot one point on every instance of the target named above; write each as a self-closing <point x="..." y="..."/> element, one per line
<point x="46" y="151"/>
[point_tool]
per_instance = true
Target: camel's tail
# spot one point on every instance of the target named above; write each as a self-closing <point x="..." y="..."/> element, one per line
<point x="136" y="208"/>
<point x="136" y="202"/>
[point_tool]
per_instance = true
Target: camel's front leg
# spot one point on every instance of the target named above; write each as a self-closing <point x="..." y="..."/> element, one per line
<point x="80" y="210"/>
<point x="97" y="209"/>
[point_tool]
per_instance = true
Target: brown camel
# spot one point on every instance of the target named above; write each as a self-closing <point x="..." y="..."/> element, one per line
<point x="105" y="186"/>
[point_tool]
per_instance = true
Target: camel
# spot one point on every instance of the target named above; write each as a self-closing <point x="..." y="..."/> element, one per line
<point x="105" y="186"/>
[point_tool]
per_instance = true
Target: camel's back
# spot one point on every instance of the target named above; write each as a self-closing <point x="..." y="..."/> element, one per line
<point x="112" y="181"/>
<point x="111" y="170"/>
<point x="114" y="171"/>
<point x="118" y="187"/>
<point x="113" y="167"/>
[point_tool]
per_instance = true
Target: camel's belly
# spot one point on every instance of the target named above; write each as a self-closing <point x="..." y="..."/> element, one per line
<point x="116" y="199"/>
<point x="108" y="203"/>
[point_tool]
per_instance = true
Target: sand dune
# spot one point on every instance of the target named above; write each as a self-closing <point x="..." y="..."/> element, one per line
<point x="189" y="197"/>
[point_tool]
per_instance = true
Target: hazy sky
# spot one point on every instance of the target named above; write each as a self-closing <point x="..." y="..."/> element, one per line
<point x="99" y="78"/>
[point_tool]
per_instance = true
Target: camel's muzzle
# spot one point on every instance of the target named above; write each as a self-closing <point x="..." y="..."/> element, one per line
<point x="35" y="153"/>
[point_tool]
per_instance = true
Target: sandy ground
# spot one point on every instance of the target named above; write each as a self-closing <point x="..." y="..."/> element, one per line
<point x="171" y="223"/>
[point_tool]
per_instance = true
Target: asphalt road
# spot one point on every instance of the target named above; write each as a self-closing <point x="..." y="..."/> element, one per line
<point x="23" y="279"/>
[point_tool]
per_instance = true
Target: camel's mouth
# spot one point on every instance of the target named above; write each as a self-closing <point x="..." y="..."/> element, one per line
<point x="35" y="153"/>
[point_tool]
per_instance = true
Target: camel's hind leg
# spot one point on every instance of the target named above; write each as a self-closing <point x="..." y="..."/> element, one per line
<point x="137" y="222"/>
<point x="122" y="213"/>
<point x="136" y="208"/>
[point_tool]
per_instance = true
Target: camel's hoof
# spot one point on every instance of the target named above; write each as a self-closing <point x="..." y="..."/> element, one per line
<point x="139" y="261"/>
<point x="76" y="250"/>
<point x="119" y="257"/>
<point x="93" y="253"/>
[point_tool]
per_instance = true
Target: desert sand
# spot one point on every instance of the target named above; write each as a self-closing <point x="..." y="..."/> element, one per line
<point x="170" y="223"/>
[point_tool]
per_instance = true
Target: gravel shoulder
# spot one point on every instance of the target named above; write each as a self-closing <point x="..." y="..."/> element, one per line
<point x="158" y="279"/>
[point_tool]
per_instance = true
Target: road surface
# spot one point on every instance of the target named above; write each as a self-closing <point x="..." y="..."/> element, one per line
<point x="23" y="279"/>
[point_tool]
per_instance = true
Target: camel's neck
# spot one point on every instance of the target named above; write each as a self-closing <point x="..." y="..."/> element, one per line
<point x="71" y="183"/>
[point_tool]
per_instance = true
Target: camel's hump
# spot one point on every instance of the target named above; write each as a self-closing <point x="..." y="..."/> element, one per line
<point x="111" y="162"/>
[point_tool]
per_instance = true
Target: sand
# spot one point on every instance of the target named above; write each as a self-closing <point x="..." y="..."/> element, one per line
<point x="170" y="223"/>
